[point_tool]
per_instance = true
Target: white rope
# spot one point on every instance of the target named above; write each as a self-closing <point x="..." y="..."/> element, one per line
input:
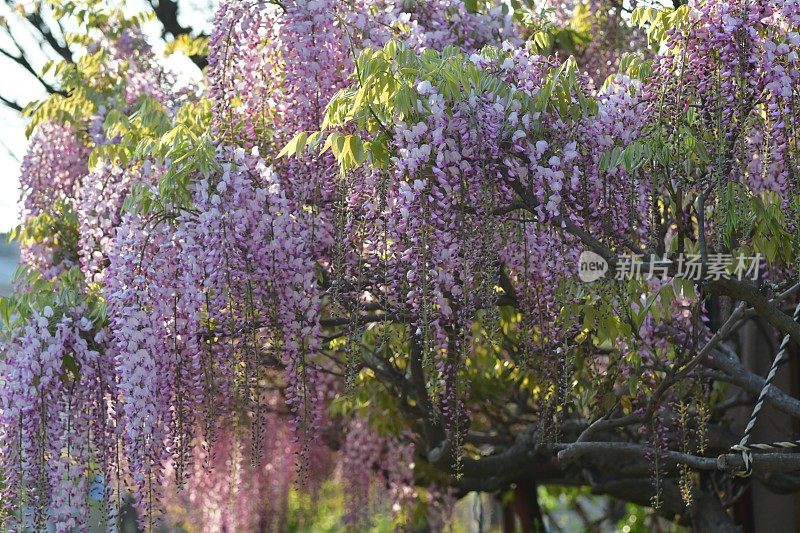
<point x="744" y="447"/>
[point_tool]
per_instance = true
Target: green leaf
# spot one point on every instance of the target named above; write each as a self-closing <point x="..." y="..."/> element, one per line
<point x="334" y="142"/>
<point x="356" y="148"/>
<point x="295" y="146"/>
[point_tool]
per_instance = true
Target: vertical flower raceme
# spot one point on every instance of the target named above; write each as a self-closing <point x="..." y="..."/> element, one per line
<point x="155" y="304"/>
<point x="53" y="411"/>
<point x="49" y="175"/>
<point x="99" y="202"/>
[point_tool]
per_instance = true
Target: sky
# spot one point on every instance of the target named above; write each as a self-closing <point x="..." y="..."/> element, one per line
<point x="17" y="84"/>
<point x="12" y="138"/>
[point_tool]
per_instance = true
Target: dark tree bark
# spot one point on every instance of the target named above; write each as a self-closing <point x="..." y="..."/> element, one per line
<point x="50" y="38"/>
<point x="524" y="509"/>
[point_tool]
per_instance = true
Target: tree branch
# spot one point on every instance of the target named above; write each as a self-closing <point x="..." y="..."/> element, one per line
<point x="732" y="371"/>
<point x="727" y="462"/>
<point x="746" y="292"/>
<point x="604" y="423"/>
<point x="23" y="62"/>
<point x="10" y="103"/>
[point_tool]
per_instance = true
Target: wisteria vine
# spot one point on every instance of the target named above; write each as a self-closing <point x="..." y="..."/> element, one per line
<point x="353" y="250"/>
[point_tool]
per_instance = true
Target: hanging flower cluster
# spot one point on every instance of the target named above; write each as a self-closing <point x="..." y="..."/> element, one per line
<point x="739" y="62"/>
<point x="99" y="208"/>
<point x="227" y="490"/>
<point x="380" y="473"/>
<point x="54" y="418"/>
<point x="434" y="25"/>
<point x="49" y="176"/>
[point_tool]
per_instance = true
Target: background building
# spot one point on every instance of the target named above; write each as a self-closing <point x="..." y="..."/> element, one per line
<point x="9" y="257"/>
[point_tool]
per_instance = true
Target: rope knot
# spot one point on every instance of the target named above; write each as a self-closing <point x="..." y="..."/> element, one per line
<point x="747" y="460"/>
